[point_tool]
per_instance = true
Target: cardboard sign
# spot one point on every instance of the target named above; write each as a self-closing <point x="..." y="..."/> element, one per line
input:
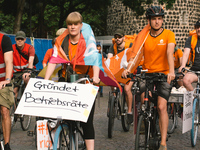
<point x="187" y="111"/>
<point x="43" y="138"/>
<point x="45" y="98"/>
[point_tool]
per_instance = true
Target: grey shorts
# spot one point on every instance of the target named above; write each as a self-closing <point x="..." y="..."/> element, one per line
<point x="163" y="88"/>
<point x="7" y="97"/>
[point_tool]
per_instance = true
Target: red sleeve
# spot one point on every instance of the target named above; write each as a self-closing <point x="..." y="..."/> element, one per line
<point x="47" y="56"/>
<point x="31" y="51"/>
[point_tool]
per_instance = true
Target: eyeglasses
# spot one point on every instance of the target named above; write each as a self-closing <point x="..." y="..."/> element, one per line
<point x="19" y="39"/>
<point x="117" y="36"/>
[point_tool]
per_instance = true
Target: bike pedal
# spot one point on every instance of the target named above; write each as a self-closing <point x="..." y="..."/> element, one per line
<point x="30" y="133"/>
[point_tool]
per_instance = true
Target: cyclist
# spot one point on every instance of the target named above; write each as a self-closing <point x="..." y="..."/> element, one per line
<point x="158" y="58"/>
<point x="119" y="46"/>
<point x="191" y="44"/>
<point x="73" y="45"/>
<point x="23" y="57"/>
<point x="6" y="93"/>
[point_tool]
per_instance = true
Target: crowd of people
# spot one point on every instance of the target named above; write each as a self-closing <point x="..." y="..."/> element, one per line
<point x="160" y="53"/>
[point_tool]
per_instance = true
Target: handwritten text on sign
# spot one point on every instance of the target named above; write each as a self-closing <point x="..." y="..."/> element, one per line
<point x="46" y="98"/>
<point x="187" y="111"/>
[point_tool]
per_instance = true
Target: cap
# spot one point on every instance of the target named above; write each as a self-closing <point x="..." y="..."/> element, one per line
<point x="119" y="32"/>
<point x="197" y="23"/>
<point x="60" y="31"/>
<point x="20" y="34"/>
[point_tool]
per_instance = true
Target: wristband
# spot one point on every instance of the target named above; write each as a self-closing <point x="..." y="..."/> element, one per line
<point x="8" y="79"/>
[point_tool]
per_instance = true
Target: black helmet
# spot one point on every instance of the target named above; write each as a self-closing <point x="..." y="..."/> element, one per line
<point x="197" y="23"/>
<point x="154" y="11"/>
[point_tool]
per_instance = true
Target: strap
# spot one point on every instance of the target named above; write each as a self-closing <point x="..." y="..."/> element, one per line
<point x="23" y="55"/>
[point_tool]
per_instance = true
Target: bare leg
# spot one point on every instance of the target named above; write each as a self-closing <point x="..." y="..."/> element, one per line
<point x="129" y="96"/>
<point x="89" y="144"/>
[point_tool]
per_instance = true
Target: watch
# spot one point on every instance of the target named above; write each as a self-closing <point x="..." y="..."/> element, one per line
<point x="8" y="79"/>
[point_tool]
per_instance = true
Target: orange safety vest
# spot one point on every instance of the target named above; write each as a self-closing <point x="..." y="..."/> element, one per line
<point x="19" y="62"/>
<point x="128" y="39"/>
<point x="193" y="45"/>
<point x="2" y="63"/>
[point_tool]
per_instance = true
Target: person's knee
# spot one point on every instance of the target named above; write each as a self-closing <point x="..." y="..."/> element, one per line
<point x="162" y="108"/>
<point x="5" y="112"/>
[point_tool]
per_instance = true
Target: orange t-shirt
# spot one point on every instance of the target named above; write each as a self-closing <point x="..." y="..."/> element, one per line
<point x="47" y="56"/>
<point x="79" y="69"/>
<point x="177" y="55"/>
<point x="155" y="52"/>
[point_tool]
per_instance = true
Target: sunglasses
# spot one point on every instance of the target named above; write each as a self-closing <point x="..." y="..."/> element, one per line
<point x="117" y="36"/>
<point x="19" y="39"/>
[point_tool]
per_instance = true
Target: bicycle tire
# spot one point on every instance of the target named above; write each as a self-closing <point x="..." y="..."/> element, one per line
<point x="195" y="122"/>
<point x="70" y="145"/>
<point x="13" y="117"/>
<point x="25" y="122"/>
<point x="111" y="118"/>
<point x="35" y="132"/>
<point x="140" y="139"/>
<point x="124" y="110"/>
<point x="79" y="140"/>
<point x="171" y="109"/>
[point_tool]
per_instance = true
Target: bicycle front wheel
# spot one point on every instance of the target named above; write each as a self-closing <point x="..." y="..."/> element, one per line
<point x="140" y="139"/>
<point x="171" y="109"/>
<point x="124" y="110"/>
<point x="25" y="121"/>
<point x="195" y="122"/>
<point x="66" y="141"/>
<point x="111" y="117"/>
<point x="13" y="117"/>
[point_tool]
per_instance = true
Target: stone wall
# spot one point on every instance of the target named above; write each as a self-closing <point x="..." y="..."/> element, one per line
<point x="180" y="19"/>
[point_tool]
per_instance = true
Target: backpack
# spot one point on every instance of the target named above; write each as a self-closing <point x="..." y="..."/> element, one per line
<point x="192" y="51"/>
<point x="128" y="40"/>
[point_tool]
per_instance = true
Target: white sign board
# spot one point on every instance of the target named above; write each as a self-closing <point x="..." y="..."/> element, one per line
<point x="45" y="98"/>
<point x="187" y="111"/>
<point x="43" y="138"/>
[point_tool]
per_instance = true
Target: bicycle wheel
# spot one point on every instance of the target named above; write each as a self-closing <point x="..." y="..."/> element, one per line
<point x="25" y="121"/>
<point x="79" y="140"/>
<point x="111" y="117"/>
<point x="66" y="141"/>
<point x="124" y="110"/>
<point x="171" y="109"/>
<point x="195" y="122"/>
<point x="140" y="139"/>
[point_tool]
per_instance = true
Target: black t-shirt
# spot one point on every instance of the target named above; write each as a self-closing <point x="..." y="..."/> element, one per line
<point x="196" y="65"/>
<point x="111" y="49"/>
<point x="6" y="44"/>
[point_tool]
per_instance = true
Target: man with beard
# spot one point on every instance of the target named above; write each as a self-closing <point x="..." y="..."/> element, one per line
<point x="191" y="44"/>
<point x="114" y="49"/>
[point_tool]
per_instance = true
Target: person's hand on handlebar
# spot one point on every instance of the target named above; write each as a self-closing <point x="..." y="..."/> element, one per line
<point x="180" y="68"/>
<point x="96" y="80"/>
<point x="3" y="83"/>
<point x="125" y="73"/>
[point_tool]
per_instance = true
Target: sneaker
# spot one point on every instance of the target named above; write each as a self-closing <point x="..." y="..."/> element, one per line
<point x="101" y="94"/>
<point x="130" y="118"/>
<point x="162" y="147"/>
<point x="7" y="147"/>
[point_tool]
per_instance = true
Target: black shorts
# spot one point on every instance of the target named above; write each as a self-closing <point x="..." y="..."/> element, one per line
<point x="163" y="88"/>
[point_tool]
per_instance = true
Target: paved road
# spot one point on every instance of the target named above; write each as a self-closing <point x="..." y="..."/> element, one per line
<point x="121" y="140"/>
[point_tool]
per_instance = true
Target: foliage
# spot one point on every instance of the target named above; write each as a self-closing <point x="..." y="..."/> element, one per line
<point x="138" y="5"/>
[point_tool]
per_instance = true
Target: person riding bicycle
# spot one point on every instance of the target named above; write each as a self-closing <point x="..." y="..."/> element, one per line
<point x="192" y="44"/>
<point x="158" y="58"/>
<point x="74" y="46"/>
<point x="23" y="57"/>
<point x="119" y="46"/>
<point x="6" y="92"/>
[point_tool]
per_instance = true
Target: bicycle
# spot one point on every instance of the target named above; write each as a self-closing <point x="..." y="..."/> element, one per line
<point x="25" y="120"/>
<point x="148" y="115"/>
<point x="117" y="107"/>
<point x="69" y="133"/>
<point x="195" y="109"/>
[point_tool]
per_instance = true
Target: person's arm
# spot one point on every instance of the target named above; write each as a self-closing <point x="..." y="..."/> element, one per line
<point x="185" y="57"/>
<point x="95" y="74"/>
<point x="109" y="55"/>
<point x="31" y="57"/>
<point x="110" y="52"/>
<point x="50" y="69"/>
<point x="8" y="59"/>
<point x="170" y="52"/>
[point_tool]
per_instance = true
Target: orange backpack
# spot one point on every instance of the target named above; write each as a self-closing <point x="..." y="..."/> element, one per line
<point x="127" y="38"/>
<point x="193" y="44"/>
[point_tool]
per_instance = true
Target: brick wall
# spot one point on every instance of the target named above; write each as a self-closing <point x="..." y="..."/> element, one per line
<point x="180" y="19"/>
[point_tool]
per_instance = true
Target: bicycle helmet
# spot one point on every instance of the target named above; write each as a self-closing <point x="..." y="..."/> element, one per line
<point x="154" y="11"/>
